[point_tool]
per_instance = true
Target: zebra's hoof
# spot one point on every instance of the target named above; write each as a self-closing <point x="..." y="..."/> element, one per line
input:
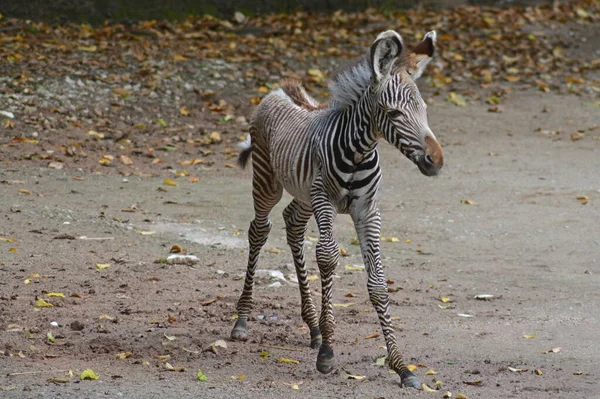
<point x="409" y="380"/>
<point x="239" y="332"/>
<point x="315" y="338"/>
<point x="325" y="360"/>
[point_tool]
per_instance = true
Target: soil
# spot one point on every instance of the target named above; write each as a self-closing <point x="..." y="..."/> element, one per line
<point x="513" y="217"/>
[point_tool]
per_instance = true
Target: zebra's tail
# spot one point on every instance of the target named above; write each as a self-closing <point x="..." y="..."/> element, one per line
<point x="244" y="156"/>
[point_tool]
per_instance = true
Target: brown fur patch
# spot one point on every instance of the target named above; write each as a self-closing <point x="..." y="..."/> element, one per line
<point x="434" y="150"/>
<point x="294" y="91"/>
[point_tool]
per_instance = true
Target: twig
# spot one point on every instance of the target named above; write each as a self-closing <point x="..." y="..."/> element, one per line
<point x="36" y="372"/>
<point x="282" y="348"/>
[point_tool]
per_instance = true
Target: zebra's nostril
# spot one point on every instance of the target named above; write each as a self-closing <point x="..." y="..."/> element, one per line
<point x="428" y="159"/>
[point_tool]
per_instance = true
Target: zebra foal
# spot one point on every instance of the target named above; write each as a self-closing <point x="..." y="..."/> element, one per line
<point x="326" y="157"/>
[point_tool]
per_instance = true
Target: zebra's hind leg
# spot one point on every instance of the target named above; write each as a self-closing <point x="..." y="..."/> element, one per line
<point x="296" y="216"/>
<point x="266" y="195"/>
<point x="368" y="228"/>
<point x="327" y="259"/>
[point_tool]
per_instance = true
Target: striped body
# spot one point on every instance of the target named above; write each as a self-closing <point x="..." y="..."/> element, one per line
<point x="326" y="158"/>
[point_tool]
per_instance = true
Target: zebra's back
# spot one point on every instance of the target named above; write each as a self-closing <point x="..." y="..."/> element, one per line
<point x="281" y="126"/>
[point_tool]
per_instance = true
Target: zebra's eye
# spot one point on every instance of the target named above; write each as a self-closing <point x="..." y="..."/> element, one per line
<point x="394" y="113"/>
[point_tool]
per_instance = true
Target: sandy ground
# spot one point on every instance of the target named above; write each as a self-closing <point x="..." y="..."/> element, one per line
<point x="504" y="219"/>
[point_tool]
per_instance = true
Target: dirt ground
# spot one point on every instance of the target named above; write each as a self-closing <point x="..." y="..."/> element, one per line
<point x="100" y="180"/>
<point x="526" y="239"/>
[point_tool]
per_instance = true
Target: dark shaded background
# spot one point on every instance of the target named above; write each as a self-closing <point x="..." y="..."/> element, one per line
<point x="96" y="11"/>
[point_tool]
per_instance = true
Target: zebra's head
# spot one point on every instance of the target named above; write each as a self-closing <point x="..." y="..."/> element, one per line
<point x="400" y="112"/>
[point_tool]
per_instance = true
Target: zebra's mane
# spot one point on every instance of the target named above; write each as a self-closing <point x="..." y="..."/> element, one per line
<point x="350" y="83"/>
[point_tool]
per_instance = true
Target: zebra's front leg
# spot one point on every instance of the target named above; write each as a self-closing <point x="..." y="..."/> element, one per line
<point x="296" y="216"/>
<point x="257" y="237"/>
<point x="327" y="258"/>
<point x="368" y="228"/>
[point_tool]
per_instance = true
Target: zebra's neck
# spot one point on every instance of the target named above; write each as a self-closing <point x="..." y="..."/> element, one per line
<point x="357" y="134"/>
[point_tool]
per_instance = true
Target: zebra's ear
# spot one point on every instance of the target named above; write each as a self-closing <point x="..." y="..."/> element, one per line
<point x="421" y="55"/>
<point x="384" y="51"/>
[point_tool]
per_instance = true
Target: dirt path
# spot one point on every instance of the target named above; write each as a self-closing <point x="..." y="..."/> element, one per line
<point x="525" y="238"/>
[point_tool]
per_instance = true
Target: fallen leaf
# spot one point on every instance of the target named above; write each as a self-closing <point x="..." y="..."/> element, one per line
<point x="89" y="374"/>
<point x="538" y="372"/>
<point x="577" y="372"/>
<point x="553" y="350"/>
<point x="56" y="294"/>
<point x="40" y="303"/>
<point x="162" y="358"/>
<point x="391" y="239"/>
<point x="102" y="266"/>
<point x="287" y="360"/>
<point x="427" y="389"/>
<point x="123" y="355"/>
<point x="202" y="376"/>
<point x="352" y="268"/>
<point x="468" y="202"/>
<point x="170" y="337"/>
<point x="58" y="380"/>
<point x="125" y="160"/>
<point x="477" y="383"/>
<point x="380" y="361"/>
<point x="171" y="182"/>
<point x="7" y="239"/>
<point x="456" y="99"/>
<point x="372" y="336"/>
<point x="461" y="396"/>
<point x="355" y="377"/>
<point x="184" y="111"/>
<point x="529" y="336"/>
<point x="264" y="354"/>
<point x="431" y="372"/>
<point x="445" y="299"/>
<point x="483" y="297"/>
<point x="50" y="338"/>
<point x="343" y="305"/>
<point x="515" y="370"/>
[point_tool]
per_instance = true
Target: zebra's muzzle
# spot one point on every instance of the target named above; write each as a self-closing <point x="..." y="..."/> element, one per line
<point x="432" y="160"/>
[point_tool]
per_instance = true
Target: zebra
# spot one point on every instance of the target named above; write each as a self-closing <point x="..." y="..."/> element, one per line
<point x="326" y="157"/>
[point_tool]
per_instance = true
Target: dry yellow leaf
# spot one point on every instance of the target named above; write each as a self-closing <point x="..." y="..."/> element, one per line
<point x="343" y="305"/>
<point x="411" y="367"/>
<point x="56" y="294"/>
<point x="125" y="160"/>
<point x="40" y="303"/>
<point x="391" y="239"/>
<point x="351" y="268"/>
<point x="102" y="266"/>
<point x="89" y="374"/>
<point x="184" y="111"/>
<point x="431" y="372"/>
<point x="577" y="372"/>
<point x="355" y="377"/>
<point x="461" y="396"/>
<point x="287" y="360"/>
<point x="170" y="182"/>
<point x="468" y="202"/>
<point x="146" y="233"/>
<point x="162" y="358"/>
<point x="123" y="355"/>
<point x="274" y="250"/>
<point x="372" y="336"/>
<point x="445" y="299"/>
<point x="538" y="372"/>
<point x="427" y="389"/>
<point x="531" y="336"/>
<point x="7" y="239"/>
<point x="13" y="249"/>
